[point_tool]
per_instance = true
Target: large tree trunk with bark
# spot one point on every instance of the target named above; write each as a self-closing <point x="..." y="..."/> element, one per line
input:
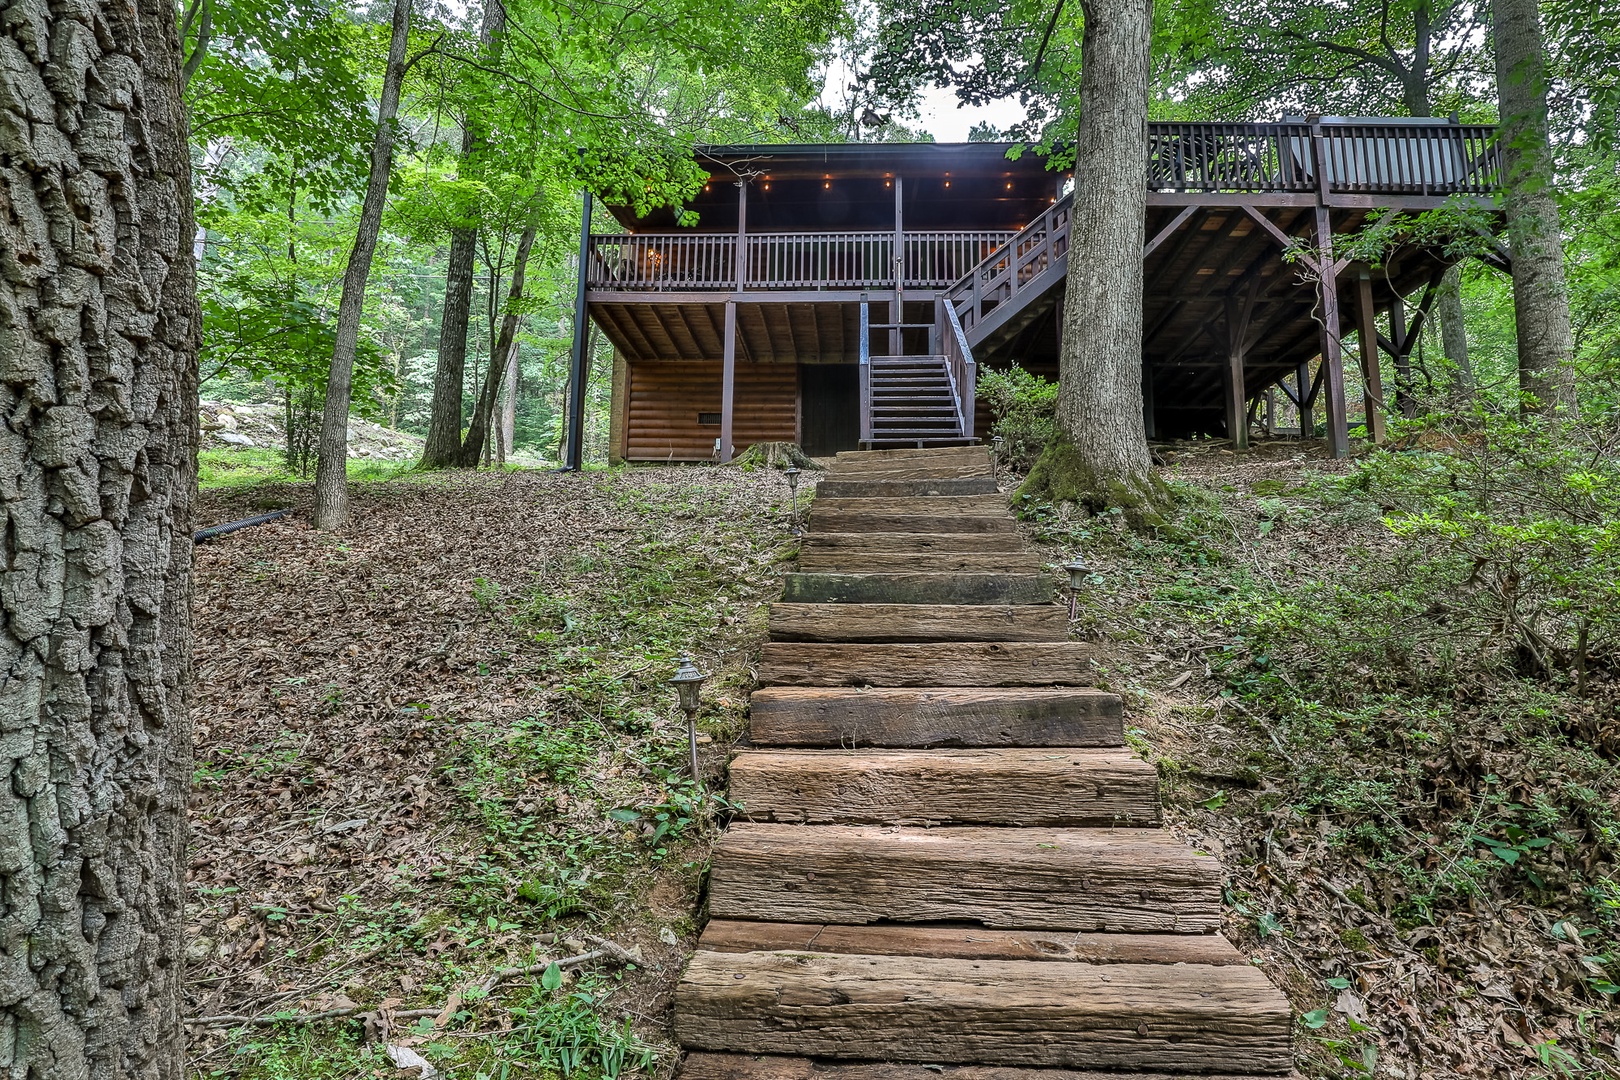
<point x="1103" y="459"/>
<point x="478" y="431"/>
<point x="98" y="388"/>
<point x="1540" y="300"/>
<point x="443" y="447"/>
<point x="331" y="468"/>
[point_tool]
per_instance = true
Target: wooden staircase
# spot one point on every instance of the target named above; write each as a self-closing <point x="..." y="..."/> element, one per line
<point x="946" y="860"/>
<point x="914" y="403"/>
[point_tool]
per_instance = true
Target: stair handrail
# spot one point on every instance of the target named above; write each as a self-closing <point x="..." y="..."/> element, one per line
<point x="866" y="375"/>
<point x="970" y="285"/>
<point x="960" y="365"/>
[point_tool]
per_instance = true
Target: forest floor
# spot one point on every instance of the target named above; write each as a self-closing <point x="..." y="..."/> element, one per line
<point x="438" y="746"/>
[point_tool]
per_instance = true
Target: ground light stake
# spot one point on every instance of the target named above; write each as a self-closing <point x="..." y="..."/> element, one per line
<point x="1077" y="571"/>
<point x="687" y="681"/>
<point x="995" y="455"/>
<point x="792" y="475"/>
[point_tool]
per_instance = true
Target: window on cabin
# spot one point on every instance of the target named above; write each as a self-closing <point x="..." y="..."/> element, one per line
<point x="709" y="419"/>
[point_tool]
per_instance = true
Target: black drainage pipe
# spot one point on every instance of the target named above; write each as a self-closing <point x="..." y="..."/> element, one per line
<point x="214" y="532"/>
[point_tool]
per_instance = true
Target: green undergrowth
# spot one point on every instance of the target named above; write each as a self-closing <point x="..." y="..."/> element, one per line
<point x="1397" y="712"/>
<point x="242" y="467"/>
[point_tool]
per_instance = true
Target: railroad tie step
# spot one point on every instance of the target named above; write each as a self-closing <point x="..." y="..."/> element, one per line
<point x="939" y="539"/>
<point x="701" y="1065"/>
<point x="921" y="587"/>
<point x="990" y="786"/>
<point x="969" y="483"/>
<point x="931" y="664"/>
<point x="879" y="519"/>
<point x="1114" y="880"/>
<point x="918" y="622"/>
<point x="822" y="560"/>
<point x="922" y="718"/>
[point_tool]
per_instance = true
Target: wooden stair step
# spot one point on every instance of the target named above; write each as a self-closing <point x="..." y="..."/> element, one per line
<point x="1192" y="1017"/>
<point x="1116" y="880"/>
<point x="821" y="560"/>
<point x="986" y="786"/>
<point x="938" y="505"/>
<point x="969" y="483"/>
<point x="907" y="718"/>
<point x="878" y="518"/>
<point x="917" y="588"/>
<point x="938" y="539"/>
<point x="968" y="943"/>
<point x="918" y="622"/>
<point x="932" y="664"/>
<point x="853" y="458"/>
<point x="719" y="1066"/>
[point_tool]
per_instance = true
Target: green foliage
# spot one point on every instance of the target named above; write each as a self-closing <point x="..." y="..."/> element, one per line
<point x="1023" y="411"/>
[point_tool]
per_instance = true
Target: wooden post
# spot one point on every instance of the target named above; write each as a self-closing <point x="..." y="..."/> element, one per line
<point x="1307" y="426"/>
<point x="1405" y="400"/>
<point x="1237" y="329"/>
<point x="728" y="381"/>
<point x="574" y="448"/>
<point x="898" y="307"/>
<point x="1338" y="426"/>
<point x="742" y="235"/>
<point x="1372" y="376"/>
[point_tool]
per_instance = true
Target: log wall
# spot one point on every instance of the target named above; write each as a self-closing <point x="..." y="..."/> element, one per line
<point x="665" y="398"/>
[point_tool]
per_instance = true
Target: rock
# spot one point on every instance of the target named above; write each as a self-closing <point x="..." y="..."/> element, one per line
<point x="236" y="440"/>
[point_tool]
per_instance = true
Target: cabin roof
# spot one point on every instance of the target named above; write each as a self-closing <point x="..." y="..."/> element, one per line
<point x="849" y="186"/>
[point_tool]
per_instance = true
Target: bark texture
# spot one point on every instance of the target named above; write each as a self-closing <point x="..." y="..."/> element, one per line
<point x="1540" y="299"/>
<point x="1453" y="332"/>
<point x="331" y="469"/>
<point x="98" y="343"/>
<point x="1104" y="460"/>
<point x="443" y="448"/>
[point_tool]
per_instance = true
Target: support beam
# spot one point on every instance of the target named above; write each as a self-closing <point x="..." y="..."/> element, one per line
<point x="1302" y="379"/>
<point x="1372" y="376"/>
<point x="742" y="235"/>
<point x="1168" y="231"/>
<point x="1405" y="401"/>
<point x="728" y="382"/>
<point x="897" y="307"/>
<point x="574" y="450"/>
<point x="619" y="410"/>
<point x="1238" y="313"/>
<point x="1338" y="433"/>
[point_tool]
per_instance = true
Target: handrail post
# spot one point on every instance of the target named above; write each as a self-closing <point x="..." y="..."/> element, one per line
<point x="866" y="375"/>
<point x="742" y="234"/>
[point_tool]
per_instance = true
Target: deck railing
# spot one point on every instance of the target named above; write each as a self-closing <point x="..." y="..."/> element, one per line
<point x="1011" y="269"/>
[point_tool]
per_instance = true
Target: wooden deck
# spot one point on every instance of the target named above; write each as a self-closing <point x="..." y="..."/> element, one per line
<point x="929" y="872"/>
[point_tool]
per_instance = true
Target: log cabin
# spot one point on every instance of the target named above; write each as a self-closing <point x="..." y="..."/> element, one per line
<point x="846" y="296"/>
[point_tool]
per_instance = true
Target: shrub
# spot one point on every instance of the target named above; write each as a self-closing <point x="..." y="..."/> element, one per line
<point x="1023" y="411"/>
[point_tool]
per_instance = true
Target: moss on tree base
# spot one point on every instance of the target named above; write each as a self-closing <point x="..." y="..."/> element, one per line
<point x="1060" y="476"/>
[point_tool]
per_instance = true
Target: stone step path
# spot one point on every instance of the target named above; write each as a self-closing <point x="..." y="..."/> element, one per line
<point x="946" y="863"/>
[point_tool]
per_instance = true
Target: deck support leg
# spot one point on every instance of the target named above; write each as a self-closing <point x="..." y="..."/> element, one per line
<point x="1238" y="312"/>
<point x="574" y="445"/>
<point x="1405" y="398"/>
<point x="619" y="410"/>
<point x="1307" y="426"/>
<point x="728" y="382"/>
<point x="1338" y="427"/>
<point x="1372" y="375"/>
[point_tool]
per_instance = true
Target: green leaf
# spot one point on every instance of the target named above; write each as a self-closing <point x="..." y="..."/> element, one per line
<point x="1339" y="984"/>
<point x="1316" y="1018"/>
<point x="552" y="978"/>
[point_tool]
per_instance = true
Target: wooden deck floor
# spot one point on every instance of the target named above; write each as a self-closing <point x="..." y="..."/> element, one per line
<point x="947" y="861"/>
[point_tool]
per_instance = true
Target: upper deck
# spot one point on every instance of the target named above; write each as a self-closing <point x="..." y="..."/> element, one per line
<point x="834" y="222"/>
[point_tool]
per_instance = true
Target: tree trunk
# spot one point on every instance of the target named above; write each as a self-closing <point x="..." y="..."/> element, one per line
<point x="1453" y="333"/>
<point x="1105" y="461"/>
<point x="1540" y="300"/>
<point x="478" y="431"/>
<point x="331" y="466"/>
<point x="98" y="470"/>
<point x="509" y="404"/>
<point x="443" y="447"/>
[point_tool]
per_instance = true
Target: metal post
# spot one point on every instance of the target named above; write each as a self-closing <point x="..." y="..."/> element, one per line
<point x="728" y="381"/>
<point x="574" y="454"/>
<point x="898" y="307"/>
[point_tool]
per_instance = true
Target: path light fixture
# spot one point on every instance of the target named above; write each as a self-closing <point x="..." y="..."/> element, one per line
<point x="687" y="681"/>
<point x="995" y="453"/>
<point x="1077" y="571"/>
<point x="791" y="473"/>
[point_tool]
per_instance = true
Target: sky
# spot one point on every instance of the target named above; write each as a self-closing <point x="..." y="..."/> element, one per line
<point x="947" y="123"/>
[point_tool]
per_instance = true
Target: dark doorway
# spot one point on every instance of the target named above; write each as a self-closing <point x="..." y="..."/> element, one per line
<point x="832" y="408"/>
